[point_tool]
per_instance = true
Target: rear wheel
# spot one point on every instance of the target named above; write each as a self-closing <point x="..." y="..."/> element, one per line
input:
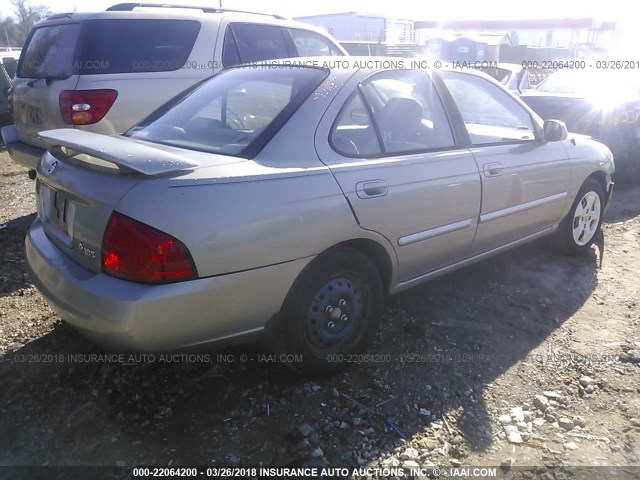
<point x="333" y="310"/>
<point x="578" y="230"/>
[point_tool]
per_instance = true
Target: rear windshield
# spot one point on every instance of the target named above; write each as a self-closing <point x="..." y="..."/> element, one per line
<point x="108" y="46"/>
<point x="50" y="52"/>
<point x="234" y="113"/>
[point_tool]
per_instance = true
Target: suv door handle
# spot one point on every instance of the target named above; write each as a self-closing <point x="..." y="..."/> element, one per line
<point x="492" y="169"/>
<point x="371" y="189"/>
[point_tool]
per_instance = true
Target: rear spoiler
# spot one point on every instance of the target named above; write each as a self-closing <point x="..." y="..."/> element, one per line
<point x="122" y="151"/>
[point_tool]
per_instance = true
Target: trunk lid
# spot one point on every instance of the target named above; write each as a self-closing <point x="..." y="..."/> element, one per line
<point x="84" y="176"/>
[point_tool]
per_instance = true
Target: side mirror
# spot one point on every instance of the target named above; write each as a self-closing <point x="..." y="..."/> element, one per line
<point x="554" y="130"/>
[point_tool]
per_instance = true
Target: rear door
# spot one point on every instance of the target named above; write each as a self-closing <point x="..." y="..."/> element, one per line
<point x="46" y="68"/>
<point x="390" y="147"/>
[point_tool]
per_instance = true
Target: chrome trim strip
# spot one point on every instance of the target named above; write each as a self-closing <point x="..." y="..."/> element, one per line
<point x="487" y="217"/>
<point x="433" y="232"/>
<point x="401" y="286"/>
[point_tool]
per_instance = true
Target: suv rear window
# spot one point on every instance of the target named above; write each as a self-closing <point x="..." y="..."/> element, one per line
<point x="234" y="113"/>
<point x="108" y="46"/>
<point x="50" y="52"/>
<point x="125" y="46"/>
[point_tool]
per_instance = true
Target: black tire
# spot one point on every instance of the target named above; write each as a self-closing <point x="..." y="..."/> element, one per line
<point x="564" y="236"/>
<point x="348" y="282"/>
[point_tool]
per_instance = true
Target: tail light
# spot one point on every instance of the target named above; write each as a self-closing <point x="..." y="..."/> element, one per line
<point x="134" y="251"/>
<point x="84" y="107"/>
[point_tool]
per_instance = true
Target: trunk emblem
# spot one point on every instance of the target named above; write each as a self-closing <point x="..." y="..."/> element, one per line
<point x="52" y="167"/>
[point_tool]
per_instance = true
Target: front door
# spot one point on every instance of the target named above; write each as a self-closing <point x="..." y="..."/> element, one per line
<point x="525" y="180"/>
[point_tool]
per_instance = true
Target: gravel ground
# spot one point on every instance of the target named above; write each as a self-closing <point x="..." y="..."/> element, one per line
<point x="527" y="359"/>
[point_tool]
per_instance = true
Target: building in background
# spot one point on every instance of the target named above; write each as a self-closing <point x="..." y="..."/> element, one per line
<point x="511" y="41"/>
<point x="363" y="27"/>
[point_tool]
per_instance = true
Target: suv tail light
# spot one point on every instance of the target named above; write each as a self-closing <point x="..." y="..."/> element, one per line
<point x="134" y="251"/>
<point x="84" y="107"/>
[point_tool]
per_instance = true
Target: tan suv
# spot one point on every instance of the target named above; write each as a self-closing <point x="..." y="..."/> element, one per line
<point x="104" y="72"/>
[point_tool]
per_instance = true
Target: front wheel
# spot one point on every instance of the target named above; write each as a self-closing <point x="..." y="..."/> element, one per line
<point x="332" y="311"/>
<point x="578" y="230"/>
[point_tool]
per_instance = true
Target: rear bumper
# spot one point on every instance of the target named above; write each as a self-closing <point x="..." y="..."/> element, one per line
<point x="21" y="153"/>
<point x="127" y="316"/>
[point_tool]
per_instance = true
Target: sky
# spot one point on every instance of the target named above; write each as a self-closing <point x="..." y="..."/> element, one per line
<point x="414" y="9"/>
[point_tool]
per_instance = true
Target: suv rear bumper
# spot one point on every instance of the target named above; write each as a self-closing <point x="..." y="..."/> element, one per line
<point x="127" y="316"/>
<point x="21" y="153"/>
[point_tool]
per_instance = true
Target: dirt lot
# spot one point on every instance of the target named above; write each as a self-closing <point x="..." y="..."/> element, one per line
<point x="551" y="342"/>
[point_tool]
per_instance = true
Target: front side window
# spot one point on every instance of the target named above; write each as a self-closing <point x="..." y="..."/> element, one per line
<point x="234" y="113"/>
<point x="490" y="115"/>
<point x="312" y="44"/>
<point x="407" y="111"/>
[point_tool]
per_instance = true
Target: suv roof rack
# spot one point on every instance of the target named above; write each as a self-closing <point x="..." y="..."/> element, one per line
<point x="127" y="7"/>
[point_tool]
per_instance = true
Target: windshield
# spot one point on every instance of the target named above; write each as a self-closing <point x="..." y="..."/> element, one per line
<point x="234" y="113"/>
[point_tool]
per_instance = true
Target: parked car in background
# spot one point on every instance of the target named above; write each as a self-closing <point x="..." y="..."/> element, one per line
<point x="5" y="87"/>
<point x="287" y="202"/>
<point x="603" y="104"/>
<point x="515" y="77"/>
<point x="104" y="72"/>
<point x="9" y="57"/>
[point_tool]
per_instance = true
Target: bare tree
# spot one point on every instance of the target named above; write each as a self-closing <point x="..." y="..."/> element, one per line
<point x="28" y="15"/>
<point x="10" y="34"/>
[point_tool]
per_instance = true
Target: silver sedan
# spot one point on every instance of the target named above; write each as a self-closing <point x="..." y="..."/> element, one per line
<point x="284" y="202"/>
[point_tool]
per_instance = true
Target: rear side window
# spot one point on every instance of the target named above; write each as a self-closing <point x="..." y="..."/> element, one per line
<point x="126" y="46"/>
<point x="354" y="134"/>
<point x="50" y="52"/>
<point x="249" y="42"/>
<point x="408" y="111"/>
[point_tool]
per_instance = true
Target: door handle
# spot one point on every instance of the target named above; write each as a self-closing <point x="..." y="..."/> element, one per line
<point x="371" y="189"/>
<point x="492" y="169"/>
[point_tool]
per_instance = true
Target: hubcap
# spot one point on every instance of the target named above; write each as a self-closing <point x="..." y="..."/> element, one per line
<point x="335" y="314"/>
<point x="586" y="218"/>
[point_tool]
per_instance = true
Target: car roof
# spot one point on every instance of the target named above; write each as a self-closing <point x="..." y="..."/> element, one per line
<point x="176" y="12"/>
